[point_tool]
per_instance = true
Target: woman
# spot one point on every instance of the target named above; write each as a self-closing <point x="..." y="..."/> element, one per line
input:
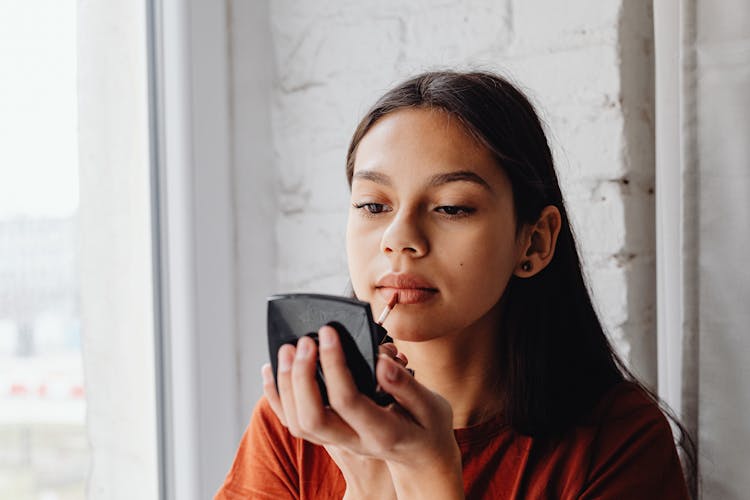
<point x="456" y="207"/>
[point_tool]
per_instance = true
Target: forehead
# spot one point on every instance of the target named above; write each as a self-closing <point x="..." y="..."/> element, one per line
<point x="418" y="143"/>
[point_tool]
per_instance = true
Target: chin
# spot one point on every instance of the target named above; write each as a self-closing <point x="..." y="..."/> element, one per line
<point x="411" y="330"/>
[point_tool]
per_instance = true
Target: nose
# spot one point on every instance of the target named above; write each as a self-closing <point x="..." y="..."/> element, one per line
<point x="405" y="236"/>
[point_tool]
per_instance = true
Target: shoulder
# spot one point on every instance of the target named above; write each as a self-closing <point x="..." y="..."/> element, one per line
<point x="265" y="465"/>
<point x="265" y="434"/>
<point x="633" y="448"/>
<point x="265" y="420"/>
<point x="271" y="463"/>
<point x="625" y="401"/>
<point x="628" y="415"/>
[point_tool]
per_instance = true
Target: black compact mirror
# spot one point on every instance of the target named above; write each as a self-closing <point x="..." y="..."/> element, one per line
<point x="292" y="316"/>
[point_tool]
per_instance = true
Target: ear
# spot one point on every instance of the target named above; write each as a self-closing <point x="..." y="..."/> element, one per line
<point x="538" y="243"/>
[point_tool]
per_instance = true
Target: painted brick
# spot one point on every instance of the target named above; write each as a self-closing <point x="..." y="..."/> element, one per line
<point x="609" y="287"/>
<point x="599" y="220"/>
<point x="328" y="48"/>
<point x="456" y="32"/>
<point x="311" y="248"/>
<point x="543" y="24"/>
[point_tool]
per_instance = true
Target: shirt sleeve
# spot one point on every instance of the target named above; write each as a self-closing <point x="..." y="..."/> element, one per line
<point x="265" y="466"/>
<point x="634" y="455"/>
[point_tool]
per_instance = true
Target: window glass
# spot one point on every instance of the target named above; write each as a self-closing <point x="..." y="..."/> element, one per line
<point x="43" y="442"/>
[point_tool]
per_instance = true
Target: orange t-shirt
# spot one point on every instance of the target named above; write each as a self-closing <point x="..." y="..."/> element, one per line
<point x="624" y="449"/>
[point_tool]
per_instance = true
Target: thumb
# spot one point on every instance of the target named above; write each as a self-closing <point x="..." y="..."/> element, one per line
<point x="424" y="405"/>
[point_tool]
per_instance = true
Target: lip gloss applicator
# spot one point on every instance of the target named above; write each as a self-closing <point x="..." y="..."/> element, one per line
<point x="388" y="308"/>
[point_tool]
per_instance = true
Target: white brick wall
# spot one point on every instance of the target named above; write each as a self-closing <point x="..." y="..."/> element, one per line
<point x="587" y="65"/>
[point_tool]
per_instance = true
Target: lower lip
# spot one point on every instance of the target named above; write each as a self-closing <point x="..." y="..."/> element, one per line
<point x="408" y="295"/>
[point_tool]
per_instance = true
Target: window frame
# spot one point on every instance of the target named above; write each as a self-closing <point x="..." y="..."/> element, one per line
<point x="193" y="244"/>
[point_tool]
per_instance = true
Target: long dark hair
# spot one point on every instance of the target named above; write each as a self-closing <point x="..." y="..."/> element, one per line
<point x="555" y="359"/>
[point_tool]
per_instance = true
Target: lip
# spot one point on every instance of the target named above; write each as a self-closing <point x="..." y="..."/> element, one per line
<point x="412" y="288"/>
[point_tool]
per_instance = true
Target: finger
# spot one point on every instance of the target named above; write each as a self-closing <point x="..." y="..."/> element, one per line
<point x="401" y="358"/>
<point x="318" y="424"/>
<point x="343" y="394"/>
<point x="272" y="395"/>
<point x="284" y="383"/>
<point x="424" y="405"/>
<point x="389" y="349"/>
<point x="379" y="430"/>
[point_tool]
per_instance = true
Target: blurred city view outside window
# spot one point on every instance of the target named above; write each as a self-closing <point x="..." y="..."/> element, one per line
<point x="44" y="451"/>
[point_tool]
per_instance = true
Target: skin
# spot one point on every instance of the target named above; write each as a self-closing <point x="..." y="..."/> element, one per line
<point x="458" y="233"/>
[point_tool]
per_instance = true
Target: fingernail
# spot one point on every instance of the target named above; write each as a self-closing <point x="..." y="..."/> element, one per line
<point x="285" y="360"/>
<point x="326" y="337"/>
<point x="392" y="372"/>
<point x="303" y="348"/>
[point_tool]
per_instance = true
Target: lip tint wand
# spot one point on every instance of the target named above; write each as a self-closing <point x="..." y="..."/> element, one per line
<point x="388" y="308"/>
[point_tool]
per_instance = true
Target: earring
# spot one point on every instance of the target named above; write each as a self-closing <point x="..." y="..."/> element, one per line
<point x="526" y="266"/>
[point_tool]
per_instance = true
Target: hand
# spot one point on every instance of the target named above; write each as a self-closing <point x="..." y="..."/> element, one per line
<point x="414" y="437"/>
<point x="365" y="477"/>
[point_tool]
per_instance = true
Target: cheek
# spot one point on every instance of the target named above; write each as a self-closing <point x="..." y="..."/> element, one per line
<point x="480" y="265"/>
<point x="358" y="253"/>
<point x="488" y="273"/>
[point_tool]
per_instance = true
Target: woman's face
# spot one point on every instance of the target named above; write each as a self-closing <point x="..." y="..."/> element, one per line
<point x="432" y="218"/>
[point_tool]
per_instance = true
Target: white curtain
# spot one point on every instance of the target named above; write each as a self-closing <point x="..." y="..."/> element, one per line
<point x="703" y="235"/>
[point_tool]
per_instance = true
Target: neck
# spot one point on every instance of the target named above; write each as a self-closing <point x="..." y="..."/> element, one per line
<point x="462" y="368"/>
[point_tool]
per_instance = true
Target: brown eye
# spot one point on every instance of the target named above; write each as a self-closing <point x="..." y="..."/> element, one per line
<point x="372" y="208"/>
<point x="455" y="211"/>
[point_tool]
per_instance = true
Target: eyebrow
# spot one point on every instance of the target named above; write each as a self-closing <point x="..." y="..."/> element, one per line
<point x="459" y="176"/>
<point x="436" y="180"/>
<point x="372" y="175"/>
